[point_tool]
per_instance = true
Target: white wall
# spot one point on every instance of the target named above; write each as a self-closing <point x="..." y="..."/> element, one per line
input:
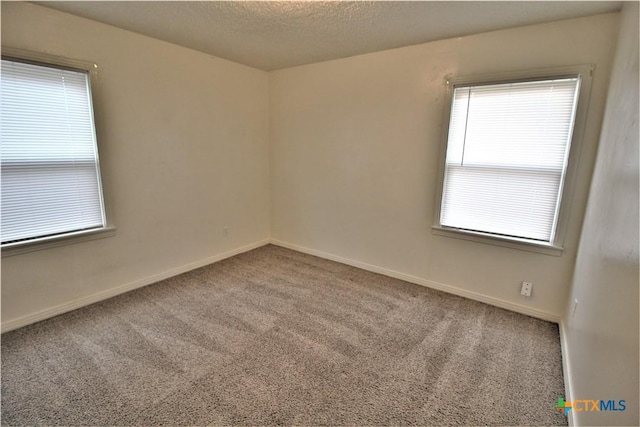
<point x="184" y="152"/>
<point x="354" y="158"/>
<point x="601" y="337"/>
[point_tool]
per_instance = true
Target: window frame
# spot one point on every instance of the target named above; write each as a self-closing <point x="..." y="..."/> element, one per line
<point x="556" y="246"/>
<point x="71" y="237"/>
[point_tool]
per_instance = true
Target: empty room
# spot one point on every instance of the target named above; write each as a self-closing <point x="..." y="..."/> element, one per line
<point x="320" y="213"/>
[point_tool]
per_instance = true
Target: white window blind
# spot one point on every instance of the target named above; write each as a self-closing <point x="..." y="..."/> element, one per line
<point x="506" y="157"/>
<point x="50" y="175"/>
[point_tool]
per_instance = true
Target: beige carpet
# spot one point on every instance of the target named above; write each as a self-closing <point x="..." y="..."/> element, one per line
<point x="274" y="336"/>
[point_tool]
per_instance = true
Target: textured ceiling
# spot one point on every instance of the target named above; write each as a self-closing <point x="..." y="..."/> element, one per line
<point x="277" y="34"/>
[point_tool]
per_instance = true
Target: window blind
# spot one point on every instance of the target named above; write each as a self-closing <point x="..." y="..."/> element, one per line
<point x="506" y="157"/>
<point x="50" y="175"/>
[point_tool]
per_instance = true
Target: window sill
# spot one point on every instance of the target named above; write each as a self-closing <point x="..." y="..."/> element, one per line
<point x="52" y="242"/>
<point x="522" y="245"/>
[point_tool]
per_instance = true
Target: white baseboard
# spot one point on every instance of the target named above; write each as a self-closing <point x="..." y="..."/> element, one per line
<point x="100" y="296"/>
<point x="84" y="301"/>
<point x="566" y="370"/>
<point x="540" y="314"/>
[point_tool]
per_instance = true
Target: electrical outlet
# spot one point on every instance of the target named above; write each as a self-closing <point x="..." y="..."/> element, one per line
<point x="526" y="289"/>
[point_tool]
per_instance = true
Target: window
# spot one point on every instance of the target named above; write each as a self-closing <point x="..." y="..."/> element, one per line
<point x="49" y="158"/>
<point x="507" y="158"/>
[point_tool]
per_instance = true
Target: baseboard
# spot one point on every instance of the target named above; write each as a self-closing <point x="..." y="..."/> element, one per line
<point x="109" y="293"/>
<point x="566" y="370"/>
<point x="540" y="314"/>
<point x="100" y="296"/>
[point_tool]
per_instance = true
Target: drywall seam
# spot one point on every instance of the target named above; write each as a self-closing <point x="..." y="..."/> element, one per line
<point x="566" y="369"/>
<point x="109" y="293"/>
<point x="540" y="314"/>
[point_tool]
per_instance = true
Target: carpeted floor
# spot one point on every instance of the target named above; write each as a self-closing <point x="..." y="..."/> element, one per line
<point x="274" y="336"/>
